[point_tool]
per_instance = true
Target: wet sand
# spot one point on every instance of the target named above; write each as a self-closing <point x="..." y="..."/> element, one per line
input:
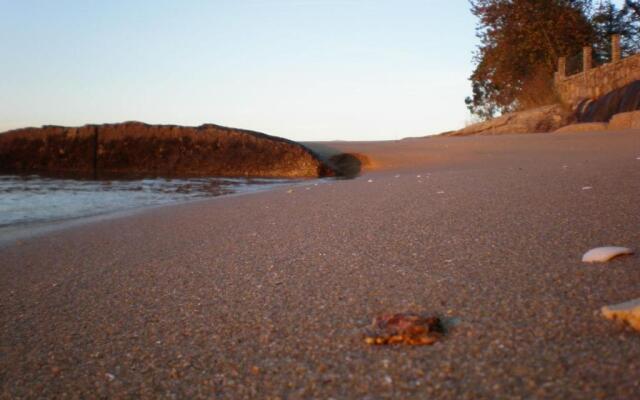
<point x="268" y="295"/>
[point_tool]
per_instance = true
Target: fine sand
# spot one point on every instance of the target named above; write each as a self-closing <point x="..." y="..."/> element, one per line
<point x="268" y="295"/>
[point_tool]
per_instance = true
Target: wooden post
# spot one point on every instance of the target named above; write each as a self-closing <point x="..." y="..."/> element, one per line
<point x="587" y="58"/>
<point x="615" y="48"/>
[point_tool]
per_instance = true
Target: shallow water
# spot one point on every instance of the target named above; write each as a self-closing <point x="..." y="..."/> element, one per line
<point x="32" y="200"/>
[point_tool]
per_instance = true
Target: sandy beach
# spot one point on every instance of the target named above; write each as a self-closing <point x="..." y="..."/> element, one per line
<point x="268" y="295"/>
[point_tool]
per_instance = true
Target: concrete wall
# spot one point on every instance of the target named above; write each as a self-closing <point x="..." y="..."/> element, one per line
<point x="595" y="82"/>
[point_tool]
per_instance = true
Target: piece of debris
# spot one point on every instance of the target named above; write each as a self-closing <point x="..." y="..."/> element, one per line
<point x="587" y="187"/>
<point x="290" y="191"/>
<point x="440" y="192"/>
<point x="370" y="180"/>
<point x="604" y="254"/>
<point x="628" y="312"/>
<point x="404" y="328"/>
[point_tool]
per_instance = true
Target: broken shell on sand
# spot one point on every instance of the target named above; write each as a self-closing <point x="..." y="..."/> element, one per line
<point x="404" y="328"/>
<point x="628" y="312"/>
<point x="604" y="254"/>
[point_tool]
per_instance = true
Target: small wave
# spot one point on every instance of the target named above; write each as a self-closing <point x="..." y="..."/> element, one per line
<point x="34" y="199"/>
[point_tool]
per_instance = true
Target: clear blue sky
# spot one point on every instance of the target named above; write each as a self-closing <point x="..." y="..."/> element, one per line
<point x="302" y="69"/>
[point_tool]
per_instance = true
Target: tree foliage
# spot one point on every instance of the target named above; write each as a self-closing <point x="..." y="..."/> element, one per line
<point x="521" y="41"/>
<point x="632" y="22"/>
<point x="608" y="19"/>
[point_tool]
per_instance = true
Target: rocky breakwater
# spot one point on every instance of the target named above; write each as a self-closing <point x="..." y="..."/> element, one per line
<point x="137" y="149"/>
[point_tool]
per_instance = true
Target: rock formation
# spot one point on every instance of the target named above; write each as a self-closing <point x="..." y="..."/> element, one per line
<point x="543" y="119"/>
<point x="136" y="149"/>
<point x="615" y="110"/>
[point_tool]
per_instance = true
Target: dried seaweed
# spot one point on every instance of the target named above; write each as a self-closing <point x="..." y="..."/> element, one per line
<point x="404" y="328"/>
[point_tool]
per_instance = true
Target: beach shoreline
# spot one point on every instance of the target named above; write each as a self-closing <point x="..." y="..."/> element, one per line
<point x="19" y="231"/>
<point x="269" y="295"/>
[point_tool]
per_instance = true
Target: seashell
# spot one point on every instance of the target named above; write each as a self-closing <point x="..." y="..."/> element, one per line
<point x="604" y="254"/>
<point x="628" y="312"/>
<point x="370" y="180"/>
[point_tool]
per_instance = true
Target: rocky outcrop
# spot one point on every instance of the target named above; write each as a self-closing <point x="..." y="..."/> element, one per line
<point x="622" y="121"/>
<point x="138" y="149"/>
<point x="543" y="119"/>
<point x="627" y="120"/>
<point x="584" y="127"/>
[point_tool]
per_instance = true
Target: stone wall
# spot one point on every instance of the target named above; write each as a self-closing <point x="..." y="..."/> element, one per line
<point x="595" y="82"/>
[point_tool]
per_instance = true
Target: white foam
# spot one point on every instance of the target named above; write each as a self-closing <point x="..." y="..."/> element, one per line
<point x="29" y="200"/>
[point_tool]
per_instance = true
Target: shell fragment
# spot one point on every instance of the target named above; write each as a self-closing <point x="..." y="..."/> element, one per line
<point x="604" y="254"/>
<point x="628" y="312"/>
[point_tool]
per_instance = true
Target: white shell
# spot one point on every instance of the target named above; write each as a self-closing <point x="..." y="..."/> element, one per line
<point x="604" y="254"/>
<point x="628" y="312"/>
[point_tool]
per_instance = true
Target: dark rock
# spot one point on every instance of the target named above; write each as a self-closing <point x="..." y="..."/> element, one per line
<point x="138" y="149"/>
<point x="348" y="165"/>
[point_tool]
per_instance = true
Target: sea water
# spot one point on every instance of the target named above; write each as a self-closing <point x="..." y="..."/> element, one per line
<point x="33" y="200"/>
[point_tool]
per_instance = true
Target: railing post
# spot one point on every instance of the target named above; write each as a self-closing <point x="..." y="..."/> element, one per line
<point x="587" y="58"/>
<point x="615" y="48"/>
<point x="562" y="68"/>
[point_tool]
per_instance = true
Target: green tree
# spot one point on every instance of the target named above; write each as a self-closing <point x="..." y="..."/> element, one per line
<point x="520" y="43"/>
<point x="632" y="40"/>
<point x="608" y="19"/>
